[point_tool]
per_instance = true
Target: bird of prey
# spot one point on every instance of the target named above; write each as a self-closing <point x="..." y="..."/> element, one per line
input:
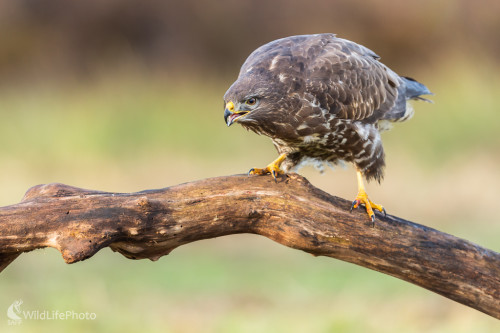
<point x="321" y="99"/>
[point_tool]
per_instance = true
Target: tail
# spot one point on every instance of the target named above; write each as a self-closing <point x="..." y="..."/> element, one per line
<point x="408" y="89"/>
<point x="415" y="89"/>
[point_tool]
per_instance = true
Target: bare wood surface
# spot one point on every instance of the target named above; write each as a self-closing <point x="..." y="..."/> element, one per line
<point x="292" y="212"/>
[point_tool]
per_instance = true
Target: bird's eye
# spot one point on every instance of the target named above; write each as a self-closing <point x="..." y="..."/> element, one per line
<point x="251" y="101"/>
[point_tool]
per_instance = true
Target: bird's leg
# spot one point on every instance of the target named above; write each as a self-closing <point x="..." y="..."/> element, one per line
<point x="273" y="168"/>
<point x="362" y="199"/>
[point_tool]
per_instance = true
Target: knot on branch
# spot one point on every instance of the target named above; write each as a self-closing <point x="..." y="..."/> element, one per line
<point x="56" y="190"/>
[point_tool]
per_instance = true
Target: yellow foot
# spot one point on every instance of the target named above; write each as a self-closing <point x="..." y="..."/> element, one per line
<point x="362" y="199"/>
<point x="273" y="168"/>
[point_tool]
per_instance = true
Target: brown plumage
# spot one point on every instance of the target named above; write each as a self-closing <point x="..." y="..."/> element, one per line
<point x="321" y="98"/>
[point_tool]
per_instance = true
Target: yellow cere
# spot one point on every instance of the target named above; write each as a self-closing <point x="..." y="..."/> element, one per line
<point x="230" y="106"/>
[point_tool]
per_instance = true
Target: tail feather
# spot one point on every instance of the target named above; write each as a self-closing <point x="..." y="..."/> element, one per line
<point x="415" y="89"/>
<point x="409" y="89"/>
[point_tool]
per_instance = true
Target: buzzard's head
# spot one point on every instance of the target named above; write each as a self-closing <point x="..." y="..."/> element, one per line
<point x="269" y="87"/>
<point x="251" y="100"/>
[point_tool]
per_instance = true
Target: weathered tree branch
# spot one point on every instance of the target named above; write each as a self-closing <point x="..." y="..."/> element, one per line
<point x="292" y="212"/>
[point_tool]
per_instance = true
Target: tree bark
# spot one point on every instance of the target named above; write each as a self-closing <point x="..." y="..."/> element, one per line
<point x="292" y="212"/>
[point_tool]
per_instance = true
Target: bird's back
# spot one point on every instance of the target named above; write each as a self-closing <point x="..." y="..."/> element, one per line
<point x="344" y="78"/>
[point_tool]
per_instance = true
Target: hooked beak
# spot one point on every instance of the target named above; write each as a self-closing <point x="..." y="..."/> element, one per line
<point x="230" y="116"/>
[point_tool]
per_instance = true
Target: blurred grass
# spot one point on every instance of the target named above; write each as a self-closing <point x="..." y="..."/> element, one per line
<point x="130" y="132"/>
<point x="238" y="284"/>
<point x="111" y="119"/>
<point x="464" y="117"/>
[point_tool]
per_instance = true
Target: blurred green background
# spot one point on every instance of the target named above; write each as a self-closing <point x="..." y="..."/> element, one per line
<point x="127" y="95"/>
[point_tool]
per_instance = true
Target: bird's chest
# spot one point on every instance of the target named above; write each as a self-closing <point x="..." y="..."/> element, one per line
<point x="336" y="140"/>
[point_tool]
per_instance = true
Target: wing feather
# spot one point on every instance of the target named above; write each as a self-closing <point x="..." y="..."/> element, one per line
<point x="348" y="80"/>
<point x="343" y="77"/>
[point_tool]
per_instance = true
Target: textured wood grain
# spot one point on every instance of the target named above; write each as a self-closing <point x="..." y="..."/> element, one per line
<point x="292" y="212"/>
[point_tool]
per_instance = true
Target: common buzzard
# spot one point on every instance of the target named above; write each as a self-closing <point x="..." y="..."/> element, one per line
<point x="321" y="99"/>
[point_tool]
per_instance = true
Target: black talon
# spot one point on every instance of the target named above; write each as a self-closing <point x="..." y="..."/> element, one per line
<point x="385" y="213"/>
<point x="274" y="175"/>
<point x="250" y="171"/>
<point x="353" y="204"/>
<point x="373" y="220"/>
